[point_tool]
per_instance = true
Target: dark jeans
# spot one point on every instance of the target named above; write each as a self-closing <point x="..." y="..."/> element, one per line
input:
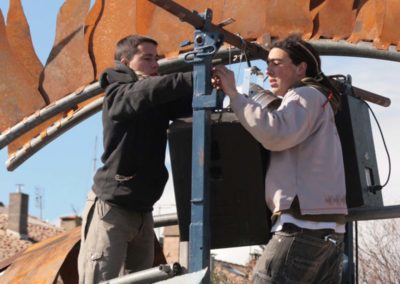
<point x="296" y="255"/>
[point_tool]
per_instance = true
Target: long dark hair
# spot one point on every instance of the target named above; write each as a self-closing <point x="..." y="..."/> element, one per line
<point x="301" y="51"/>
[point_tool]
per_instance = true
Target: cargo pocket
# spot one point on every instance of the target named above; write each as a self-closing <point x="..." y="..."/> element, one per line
<point x="87" y="214"/>
<point x="261" y="276"/>
<point x="102" y="209"/>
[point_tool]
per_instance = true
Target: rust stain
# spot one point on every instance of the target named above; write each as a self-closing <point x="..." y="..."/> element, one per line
<point x="18" y="35"/>
<point x="41" y="129"/>
<point x="369" y="21"/>
<point x="169" y="31"/>
<point x="28" y="136"/>
<point x="41" y="262"/>
<point x="341" y="13"/>
<point x="69" y="64"/>
<point x="290" y="16"/>
<point x="144" y="15"/>
<point x="19" y="96"/>
<point x="249" y="23"/>
<point x="117" y="21"/>
<point x="85" y="43"/>
<point x="90" y="25"/>
<point x="390" y="33"/>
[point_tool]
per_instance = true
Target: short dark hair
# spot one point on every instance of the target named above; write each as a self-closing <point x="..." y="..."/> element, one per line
<point x="127" y="46"/>
<point x="301" y="51"/>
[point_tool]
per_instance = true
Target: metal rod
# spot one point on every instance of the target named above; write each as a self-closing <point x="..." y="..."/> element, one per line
<point x="161" y="272"/>
<point x="361" y="49"/>
<point x="48" y="112"/>
<point x="373" y="213"/>
<point x="206" y="45"/>
<point x="165" y="220"/>
<point x="371" y="97"/>
<point x="52" y="133"/>
<point x="325" y="47"/>
<point x="253" y="50"/>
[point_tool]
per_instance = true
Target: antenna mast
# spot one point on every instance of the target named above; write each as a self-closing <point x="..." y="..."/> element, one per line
<point x="95" y="155"/>
<point x="39" y="193"/>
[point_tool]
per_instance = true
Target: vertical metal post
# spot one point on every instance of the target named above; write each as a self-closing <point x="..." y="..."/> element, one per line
<point x="348" y="268"/>
<point x="206" y="44"/>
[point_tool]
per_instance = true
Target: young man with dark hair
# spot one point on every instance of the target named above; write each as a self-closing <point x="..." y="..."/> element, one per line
<point x="305" y="182"/>
<point x="117" y="230"/>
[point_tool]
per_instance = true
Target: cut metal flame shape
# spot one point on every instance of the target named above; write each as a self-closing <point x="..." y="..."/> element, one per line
<point x="85" y="41"/>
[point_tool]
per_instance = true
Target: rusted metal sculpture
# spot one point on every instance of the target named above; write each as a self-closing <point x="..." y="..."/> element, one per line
<point x="85" y="41"/>
<point x="39" y="103"/>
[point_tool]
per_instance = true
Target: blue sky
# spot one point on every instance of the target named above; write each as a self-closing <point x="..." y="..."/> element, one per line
<point x="63" y="170"/>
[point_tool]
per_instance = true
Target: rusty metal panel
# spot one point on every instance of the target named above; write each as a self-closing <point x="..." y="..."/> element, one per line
<point x="335" y="19"/>
<point x="19" y="96"/>
<point x="18" y="35"/>
<point x="79" y="56"/>
<point x="390" y="33"/>
<point x="368" y="22"/>
<point x="248" y="24"/>
<point x="44" y="261"/>
<point x="23" y="143"/>
<point x="68" y="66"/>
<point x="163" y="23"/>
<point x="116" y="19"/>
<point x="290" y="16"/>
<point x="25" y="138"/>
<point x="41" y="262"/>
<point x="90" y="25"/>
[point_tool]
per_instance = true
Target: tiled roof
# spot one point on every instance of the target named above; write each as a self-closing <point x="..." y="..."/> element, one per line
<point x="227" y="272"/>
<point x="10" y="243"/>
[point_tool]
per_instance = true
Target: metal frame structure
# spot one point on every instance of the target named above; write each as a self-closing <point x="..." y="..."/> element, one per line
<point x="208" y="38"/>
<point x="223" y="56"/>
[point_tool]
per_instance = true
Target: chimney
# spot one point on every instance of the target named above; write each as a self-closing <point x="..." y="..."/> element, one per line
<point x="70" y="222"/>
<point x="18" y="213"/>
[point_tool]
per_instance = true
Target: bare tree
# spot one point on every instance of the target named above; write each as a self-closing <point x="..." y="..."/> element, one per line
<point x="379" y="251"/>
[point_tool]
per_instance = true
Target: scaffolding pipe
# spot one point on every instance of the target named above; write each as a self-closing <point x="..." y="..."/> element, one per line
<point x="373" y="213"/>
<point x="161" y="272"/>
<point x="224" y="56"/>
<point x="48" y="112"/>
<point x="165" y="220"/>
<point x="58" y="128"/>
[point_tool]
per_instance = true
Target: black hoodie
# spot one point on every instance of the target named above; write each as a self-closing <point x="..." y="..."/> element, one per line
<point x="136" y="115"/>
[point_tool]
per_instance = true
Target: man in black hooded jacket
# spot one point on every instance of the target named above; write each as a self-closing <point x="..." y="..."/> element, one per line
<point x="117" y="230"/>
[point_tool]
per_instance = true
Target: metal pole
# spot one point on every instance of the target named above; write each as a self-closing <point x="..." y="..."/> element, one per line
<point x="206" y="44"/>
<point x="348" y="269"/>
<point x="161" y="272"/>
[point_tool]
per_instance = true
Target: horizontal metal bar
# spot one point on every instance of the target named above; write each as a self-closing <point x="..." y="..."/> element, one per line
<point x="165" y="220"/>
<point x="48" y="112"/>
<point x="361" y="49"/>
<point x="161" y="272"/>
<point x="253" y="50"/>
<point x="224" y="56"/>
<point x="52" y="133"/>
<point x="371" y="97"/>
<point x="373" y="213"/>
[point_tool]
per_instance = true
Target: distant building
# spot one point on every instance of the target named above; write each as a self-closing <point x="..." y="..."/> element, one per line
<point x="18" y="230"/>
<point x="171" y="243"/>
<point x="70" y="222"/>
<point x="223" y="272"/>
<point x="226" y="272"/>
